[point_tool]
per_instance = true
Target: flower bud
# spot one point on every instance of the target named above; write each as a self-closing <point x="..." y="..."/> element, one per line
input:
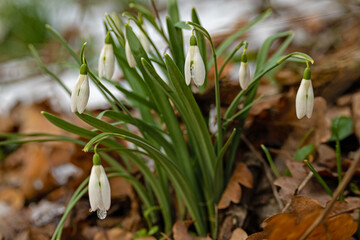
<point x="305" y="96"/>
<point x="194" y="64"/>
<point x="144" y="41"/>
<point x="99" y="189"/>
<point x="129" y="56"/>
<point x="106" y="59"/>
<point x="80" y="93"/>
<point x="244" y="72"/>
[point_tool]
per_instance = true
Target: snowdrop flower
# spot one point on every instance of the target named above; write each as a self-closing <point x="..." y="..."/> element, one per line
<point x="244" y="72"/>
<point x="106" y="59"/>
<point x="99" y="189"/>
<point x="305" y="96"/>
<point x="129" y="56"/>
<point x="80" y="93"/>
<point x="144" y="41"/>
<point x="194" y="64"/>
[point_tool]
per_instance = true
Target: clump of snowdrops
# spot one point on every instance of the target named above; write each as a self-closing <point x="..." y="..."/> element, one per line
<point x="161" y="90"/>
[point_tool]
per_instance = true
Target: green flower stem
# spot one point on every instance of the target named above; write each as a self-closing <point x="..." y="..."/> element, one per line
<point x="304" y="138"/>
<point x="45" y="69"/>
<point x="242" y="111"/>
<point x="338" y="156"/>
<point x="270" y="160"/>
<point x="319" y="178"/>
<point x="64" y="43"/>
<point x="229" y="57"/>
<point x="118" y="32"/>
<point x="219" y="138"/>
<point x="252" y="87"/>
<point x="136" y="21"/>
<point x="148" y="15"/>
<point x="101" y="86"/>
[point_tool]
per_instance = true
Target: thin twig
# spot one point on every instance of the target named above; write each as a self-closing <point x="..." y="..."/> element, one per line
<point x="349" y="173"/>
<point x="267" y="170"/>
<point x="301" y="186"/>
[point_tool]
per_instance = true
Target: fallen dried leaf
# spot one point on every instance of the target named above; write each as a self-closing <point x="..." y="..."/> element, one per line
<point x="114" y="234"/>
<point x="12" y="197"/>
<point x="291" y="225"/>
<point x="356" y="113"/>
<point x="238" y="234"/>
<point x="232" y="193"/>
<point x="180" y="231"/>
<point x="288" y="185"/>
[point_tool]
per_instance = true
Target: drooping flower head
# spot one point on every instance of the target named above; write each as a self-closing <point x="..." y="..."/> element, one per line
<point x="244" y="72"/>
<point x="99" y="189"/>
<point x="305" y="96"/>
<point x="80" y="93"/>
<point x="194" y="64"/>
<point x="106" y="59"/>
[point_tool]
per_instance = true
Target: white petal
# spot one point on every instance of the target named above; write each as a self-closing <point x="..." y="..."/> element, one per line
<point x="301" y="100"/>
<point x="244" y="75"/>
<point x="187" y="66"/>
<point x="310" y="100"/>
<point x="129" y="56"/>
<point x="199" y="68"/>
<point x="83" y="94"/>
<point x="94" y="189"/>
<point x="105" y="190"/>
<point x="144" y="41"/>
<point x="75" y="93"/>
<point x="101" y="65"/>
<point x="109" y="61"/>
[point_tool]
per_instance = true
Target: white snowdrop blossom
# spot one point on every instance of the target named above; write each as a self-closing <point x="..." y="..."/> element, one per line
<point x="194" y="65"/>
<point x="99" y="189"/>
<point x="244" y="73"/>
<point x="106" y="59"/>
<point x="81" y="91"/>
<point x="144" y="41"/>
<point x="129" y="56"/>
<point x="305" y="96"/>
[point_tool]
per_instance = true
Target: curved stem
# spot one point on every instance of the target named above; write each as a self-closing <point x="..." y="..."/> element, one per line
<point x="232" y="54"/>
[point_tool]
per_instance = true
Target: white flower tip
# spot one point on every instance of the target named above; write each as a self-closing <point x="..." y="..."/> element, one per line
<point x="106" y="62"/>
<point x="80" y="94"/>
<point x="244" y="75"/>
<point x="129" y="56"/>
<point x="194" y="67"/>
<point x="99" y="191"/>
<point x="304" y="99"/>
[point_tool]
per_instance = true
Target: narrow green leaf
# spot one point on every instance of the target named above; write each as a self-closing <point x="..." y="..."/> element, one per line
<point x="219" y="168"/>
<point x="176" y="44"/>
<point x="182" y="25"/>
<point x="45" y="69"/>
<point x="304" y="152"/>
<point x="173" y="10"/>
<point x="64" y="43"/>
